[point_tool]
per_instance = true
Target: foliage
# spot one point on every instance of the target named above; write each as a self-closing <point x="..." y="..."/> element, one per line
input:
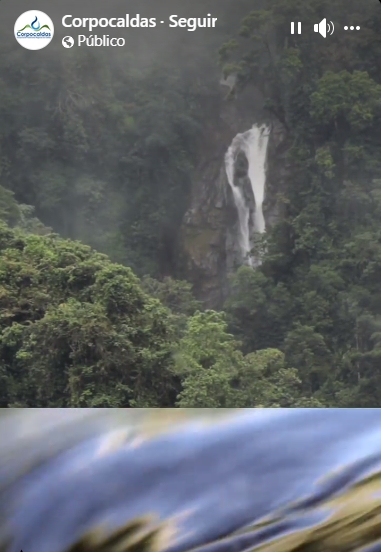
<point x="104" y="151"/>
<point x="215" y="373"/>
<point x="316" y="295"/>
<point x="77" y="330"/>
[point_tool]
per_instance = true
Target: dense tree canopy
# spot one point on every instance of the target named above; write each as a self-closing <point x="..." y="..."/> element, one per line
<point x="77" y="330"/>
<point x="102" y="151"/>
<point x="316" y="295"/>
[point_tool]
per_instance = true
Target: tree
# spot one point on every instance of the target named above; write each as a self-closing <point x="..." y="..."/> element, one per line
<point x="306" y="349"/>
<point x="206" y="362"/>
<point x="77" y="330"/>
<point x="346" y="100"/>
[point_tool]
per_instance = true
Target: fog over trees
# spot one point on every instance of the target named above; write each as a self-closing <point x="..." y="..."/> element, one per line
<point x="99" y="148"/>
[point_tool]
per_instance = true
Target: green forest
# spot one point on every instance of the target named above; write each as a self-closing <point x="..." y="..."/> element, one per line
<point x="97" y="152"/>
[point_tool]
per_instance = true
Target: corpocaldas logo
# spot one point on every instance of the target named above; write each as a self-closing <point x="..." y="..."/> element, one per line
<point x="34" y="30"/>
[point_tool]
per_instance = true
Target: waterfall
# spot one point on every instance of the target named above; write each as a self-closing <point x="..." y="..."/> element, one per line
<point x="239" y="200"/>
<point x="253" y="144"/>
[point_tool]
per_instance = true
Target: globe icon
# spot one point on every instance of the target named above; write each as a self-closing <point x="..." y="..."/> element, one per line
<point x="68" y="42"/>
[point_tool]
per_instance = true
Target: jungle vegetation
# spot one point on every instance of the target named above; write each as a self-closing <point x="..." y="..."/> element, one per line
<point x="96" y="158"/>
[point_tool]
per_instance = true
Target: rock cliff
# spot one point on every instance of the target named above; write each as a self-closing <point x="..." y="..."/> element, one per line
<point x="209" y="244"/>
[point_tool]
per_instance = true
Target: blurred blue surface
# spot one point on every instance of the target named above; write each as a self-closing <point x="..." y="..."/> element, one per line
<point x="207" y="481"/>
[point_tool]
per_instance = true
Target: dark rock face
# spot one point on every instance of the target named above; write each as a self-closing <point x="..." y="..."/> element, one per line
<point x="209" y="234"/>
<point x="241" y="166"/>
<point x="208" y="242"/>
<point x="276" y="173"/>
<point x="242" y="180"/>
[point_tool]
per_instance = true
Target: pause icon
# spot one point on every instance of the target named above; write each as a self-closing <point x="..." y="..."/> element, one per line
<point x="293" y="27"/>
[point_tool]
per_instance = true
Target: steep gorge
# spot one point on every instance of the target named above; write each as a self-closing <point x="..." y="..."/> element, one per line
<point x="233" y="195"/>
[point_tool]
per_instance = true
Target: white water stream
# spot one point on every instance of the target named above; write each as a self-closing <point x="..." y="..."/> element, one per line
<point x="253" y="144"/>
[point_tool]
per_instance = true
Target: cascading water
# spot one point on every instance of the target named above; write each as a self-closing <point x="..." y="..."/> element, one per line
<point x="253" y="144"/>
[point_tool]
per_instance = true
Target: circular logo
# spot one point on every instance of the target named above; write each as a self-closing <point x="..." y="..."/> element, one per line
<point x="34" y="30"/>
<point x="68" y="42"/>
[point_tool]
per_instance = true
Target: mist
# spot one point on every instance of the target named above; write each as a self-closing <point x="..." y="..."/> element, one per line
<point x="154" y="250"/>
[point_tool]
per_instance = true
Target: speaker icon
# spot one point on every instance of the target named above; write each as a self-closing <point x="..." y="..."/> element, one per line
<point x="323" y="27"/>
